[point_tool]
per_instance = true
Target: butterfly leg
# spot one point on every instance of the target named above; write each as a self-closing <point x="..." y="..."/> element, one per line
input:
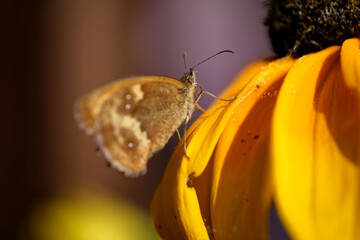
<point x="178" y="133"/>
<point x="200" y="108"/>
<point x="210" y="94"/>
<point x="221" y="99"/>
<point x="197" y="98"/>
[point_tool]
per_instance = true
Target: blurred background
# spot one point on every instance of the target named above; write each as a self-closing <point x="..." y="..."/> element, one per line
<point x="52" y="179"/>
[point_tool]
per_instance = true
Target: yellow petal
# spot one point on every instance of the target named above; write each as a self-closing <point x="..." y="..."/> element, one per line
<point x="241" y="186"/>
<point x="350" y="62"/>
<point x="314" y="149"/>
<point x="243" y="79"/>
<point x="175" y="207"/>
<point x="350" y="65"/>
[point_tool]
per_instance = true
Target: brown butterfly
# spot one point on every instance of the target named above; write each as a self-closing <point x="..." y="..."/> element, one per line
<point x="133" y="118"/>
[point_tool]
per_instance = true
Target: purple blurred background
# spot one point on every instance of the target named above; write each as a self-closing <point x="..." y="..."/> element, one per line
<point x="55" y="51"/>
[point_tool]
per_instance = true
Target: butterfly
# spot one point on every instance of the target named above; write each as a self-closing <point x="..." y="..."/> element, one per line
<point x="132" y="118"/>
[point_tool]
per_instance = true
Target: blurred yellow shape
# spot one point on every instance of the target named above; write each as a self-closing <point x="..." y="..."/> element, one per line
<point x="89" y="215"/>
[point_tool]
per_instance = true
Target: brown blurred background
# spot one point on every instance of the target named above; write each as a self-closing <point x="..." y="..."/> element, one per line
<point x="55" y="51"/>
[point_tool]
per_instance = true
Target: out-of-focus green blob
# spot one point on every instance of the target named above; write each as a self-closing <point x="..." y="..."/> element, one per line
<point x="85" y="215"/>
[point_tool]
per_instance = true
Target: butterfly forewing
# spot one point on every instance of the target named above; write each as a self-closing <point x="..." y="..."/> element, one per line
<point x="133" y="119"/>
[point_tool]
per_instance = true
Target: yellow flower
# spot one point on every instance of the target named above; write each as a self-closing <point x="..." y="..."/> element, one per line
<point x="292" y="135"/>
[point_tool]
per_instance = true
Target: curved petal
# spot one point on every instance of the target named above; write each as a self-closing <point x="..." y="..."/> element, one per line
<point x="241" y="186"/>
<point x="175" y="206"/>
<point x="350" y="66"/>
<point x="314" y="147"/>
<point x="350" y="62"/>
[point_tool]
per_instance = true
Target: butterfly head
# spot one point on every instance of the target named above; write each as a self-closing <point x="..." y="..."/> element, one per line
<point x="189" y="79"/>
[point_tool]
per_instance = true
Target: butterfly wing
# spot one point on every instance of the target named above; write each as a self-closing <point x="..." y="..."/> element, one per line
<point x="87" y="108"/>
<point x="134" y="118"/>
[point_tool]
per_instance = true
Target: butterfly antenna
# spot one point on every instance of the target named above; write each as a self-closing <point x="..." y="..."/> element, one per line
<point x="224" y="51"/>
<point x="184" y="57"/>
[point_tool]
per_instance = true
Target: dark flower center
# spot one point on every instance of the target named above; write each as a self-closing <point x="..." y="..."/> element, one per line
<point x="299" y="27"/>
